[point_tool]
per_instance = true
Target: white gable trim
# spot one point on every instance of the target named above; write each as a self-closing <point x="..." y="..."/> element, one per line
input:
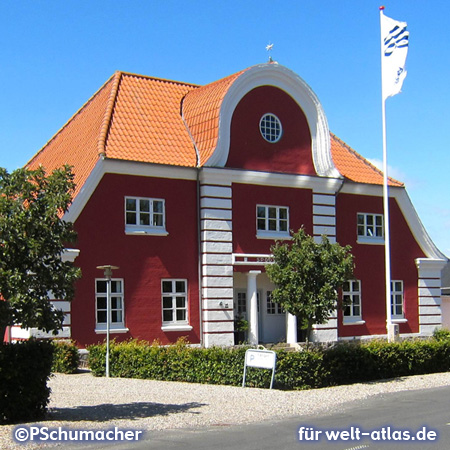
<point x="105" y="165"/>
<point x="409" y="213"/>
<point x="283" y="78"/>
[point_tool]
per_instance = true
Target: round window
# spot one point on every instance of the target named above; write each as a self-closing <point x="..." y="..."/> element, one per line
<point x="270" y="127"/>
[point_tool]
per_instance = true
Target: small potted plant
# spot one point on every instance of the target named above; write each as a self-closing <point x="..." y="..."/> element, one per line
<point x="240" y="330"/>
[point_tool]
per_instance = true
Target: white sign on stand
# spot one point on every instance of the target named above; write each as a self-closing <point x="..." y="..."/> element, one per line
<point x="262" y="359"/>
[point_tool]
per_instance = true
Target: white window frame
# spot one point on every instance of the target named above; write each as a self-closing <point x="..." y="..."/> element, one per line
<point x="272" y="308"/>
<point x="397" y="299"/>
<point x="266" y="233"/>
<point x="270" y="128"/>
<point x="369" y="230"/>
<point x="175" y="324"/>
<point x="351" y="290"/>
<point x="151" y="228"/>
<point x="118" y="326"/>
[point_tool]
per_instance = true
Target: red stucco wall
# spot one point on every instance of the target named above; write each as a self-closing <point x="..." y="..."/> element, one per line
<point x="370" y="264"/>
<point x="246" y="197"/>
<point x="248" y="149"/>
<point x="143" y="260"/>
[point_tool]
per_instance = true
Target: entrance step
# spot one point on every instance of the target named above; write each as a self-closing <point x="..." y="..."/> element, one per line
<point x="284" y="346"/>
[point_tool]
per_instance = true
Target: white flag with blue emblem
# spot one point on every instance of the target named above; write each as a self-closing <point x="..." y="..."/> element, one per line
<point x="394" y="41"/>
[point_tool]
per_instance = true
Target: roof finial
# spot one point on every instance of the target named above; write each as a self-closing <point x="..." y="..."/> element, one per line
<point x="269" y="48"/>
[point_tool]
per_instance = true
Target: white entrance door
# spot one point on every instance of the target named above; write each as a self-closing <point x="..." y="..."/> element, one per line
<point x="273" y="319"/>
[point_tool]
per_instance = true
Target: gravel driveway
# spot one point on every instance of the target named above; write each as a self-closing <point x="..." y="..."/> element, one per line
<point x="82" y="401"/>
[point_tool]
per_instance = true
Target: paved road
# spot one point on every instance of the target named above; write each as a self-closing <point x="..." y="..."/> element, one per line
<point x="381" y="417"/>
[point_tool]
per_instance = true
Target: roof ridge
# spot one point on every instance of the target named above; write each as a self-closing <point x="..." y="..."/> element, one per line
<point x="149" y="77"/>
<point x="90" y="100"/>
<point x="108" y="114"/>
<point x="364" y="160"/>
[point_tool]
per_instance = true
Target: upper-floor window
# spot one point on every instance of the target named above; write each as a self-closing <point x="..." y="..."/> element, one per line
<point x="145" y="215"/>
<point x="116" y="312"/>
<point x="397" y="307"/>
<point x="370" y="228"/>
<point x="270" y="127"/>
<point x="351" y="296"/>
<point x="272" y="221"/>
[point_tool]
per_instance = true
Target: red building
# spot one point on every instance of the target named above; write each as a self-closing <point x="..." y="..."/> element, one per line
<point x="185" y="188"/>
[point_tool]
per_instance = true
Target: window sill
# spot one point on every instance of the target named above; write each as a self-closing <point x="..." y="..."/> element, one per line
<point x="112" y="330"/>
<point x="399" y="320"/>
<point x="272" y="236"/>
<point x="176" y="327"/>
<point x="146" y="232"/>
<point x="354" y="322"/>
<point x="369" y="240"/>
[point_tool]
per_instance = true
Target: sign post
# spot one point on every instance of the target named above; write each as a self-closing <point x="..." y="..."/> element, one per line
<point x="262" y="359"/>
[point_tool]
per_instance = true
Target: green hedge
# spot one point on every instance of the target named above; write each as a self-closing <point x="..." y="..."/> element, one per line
<point x="65" y="357"/>
<point x="344" y="363"/>
<point x="352" y="363"/>
<point x="25" y="368"/>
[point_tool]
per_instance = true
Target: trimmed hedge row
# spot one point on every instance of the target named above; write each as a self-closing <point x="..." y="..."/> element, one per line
<point x="25" y="368"/>
<point x="65" y="357"/>
<point x="344" y="363"/>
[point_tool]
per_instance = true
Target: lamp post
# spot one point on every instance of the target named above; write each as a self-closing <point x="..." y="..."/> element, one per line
<point x="108" y="275"/>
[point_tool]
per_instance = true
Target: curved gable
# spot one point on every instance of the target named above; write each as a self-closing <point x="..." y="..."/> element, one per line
<point x="290" y="153"/>
<point x="280" y="77"/>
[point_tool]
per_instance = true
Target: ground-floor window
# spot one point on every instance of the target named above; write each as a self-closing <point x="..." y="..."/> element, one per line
<point x="351" y="296"/>
<point x="174" y="301"/>
<point x="241" y="304"/>
<point x="116" y="318"/>
<point x="272" y="307"/>
<point x="397" y="309"/>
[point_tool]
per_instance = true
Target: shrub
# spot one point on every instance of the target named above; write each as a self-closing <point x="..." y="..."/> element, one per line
<point x="441" y="334"/>
<point x="25" y="368"/>
<point x="348" y="363"/>
<point x="343" y="363"/>
<point x="65" y="357"/>
<point x="300" y="370"/>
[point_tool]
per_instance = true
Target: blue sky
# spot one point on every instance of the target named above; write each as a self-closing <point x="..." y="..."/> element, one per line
<point x="56" y="54"/>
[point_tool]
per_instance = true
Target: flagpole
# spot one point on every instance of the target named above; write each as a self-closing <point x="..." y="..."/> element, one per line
<point x="387" y="242"/>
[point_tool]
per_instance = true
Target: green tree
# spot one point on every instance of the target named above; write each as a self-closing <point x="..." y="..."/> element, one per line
<point x="32" y="239"/>
<point x="308" y="275"/>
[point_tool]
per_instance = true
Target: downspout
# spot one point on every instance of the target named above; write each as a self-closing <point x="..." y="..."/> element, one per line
<point x="199" y="231"/>
<point x="199" y="258"/>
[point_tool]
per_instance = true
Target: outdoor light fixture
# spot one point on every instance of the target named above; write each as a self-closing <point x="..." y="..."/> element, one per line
<point x="108" y="275"/>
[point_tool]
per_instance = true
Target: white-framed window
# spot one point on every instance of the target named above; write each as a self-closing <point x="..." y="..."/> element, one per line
<point x="145" y="215"/>
<point x="370" y="228"/>
<point x="174" y="302"/>
<point x="397" y="299"/>
<point x="351" y="297"/>
<point x="241" y="303"/>
<point x="272" y="307"/>
<point x="117" y="311"/>
<point x="272" y="221"/>
<point x="270" y="128"/>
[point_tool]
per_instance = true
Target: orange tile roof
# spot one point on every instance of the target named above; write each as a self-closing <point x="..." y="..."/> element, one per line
<point x="201" y="109"/>
<point x="354" y="167"/>
<point x="138" y="118"/>
<point x="76" y="143"/>
<point x="146" y="124"/>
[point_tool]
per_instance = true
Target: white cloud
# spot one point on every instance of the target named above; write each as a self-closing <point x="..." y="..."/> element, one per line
<point x="393" y="172"/>
<point x="397" y="174"/>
